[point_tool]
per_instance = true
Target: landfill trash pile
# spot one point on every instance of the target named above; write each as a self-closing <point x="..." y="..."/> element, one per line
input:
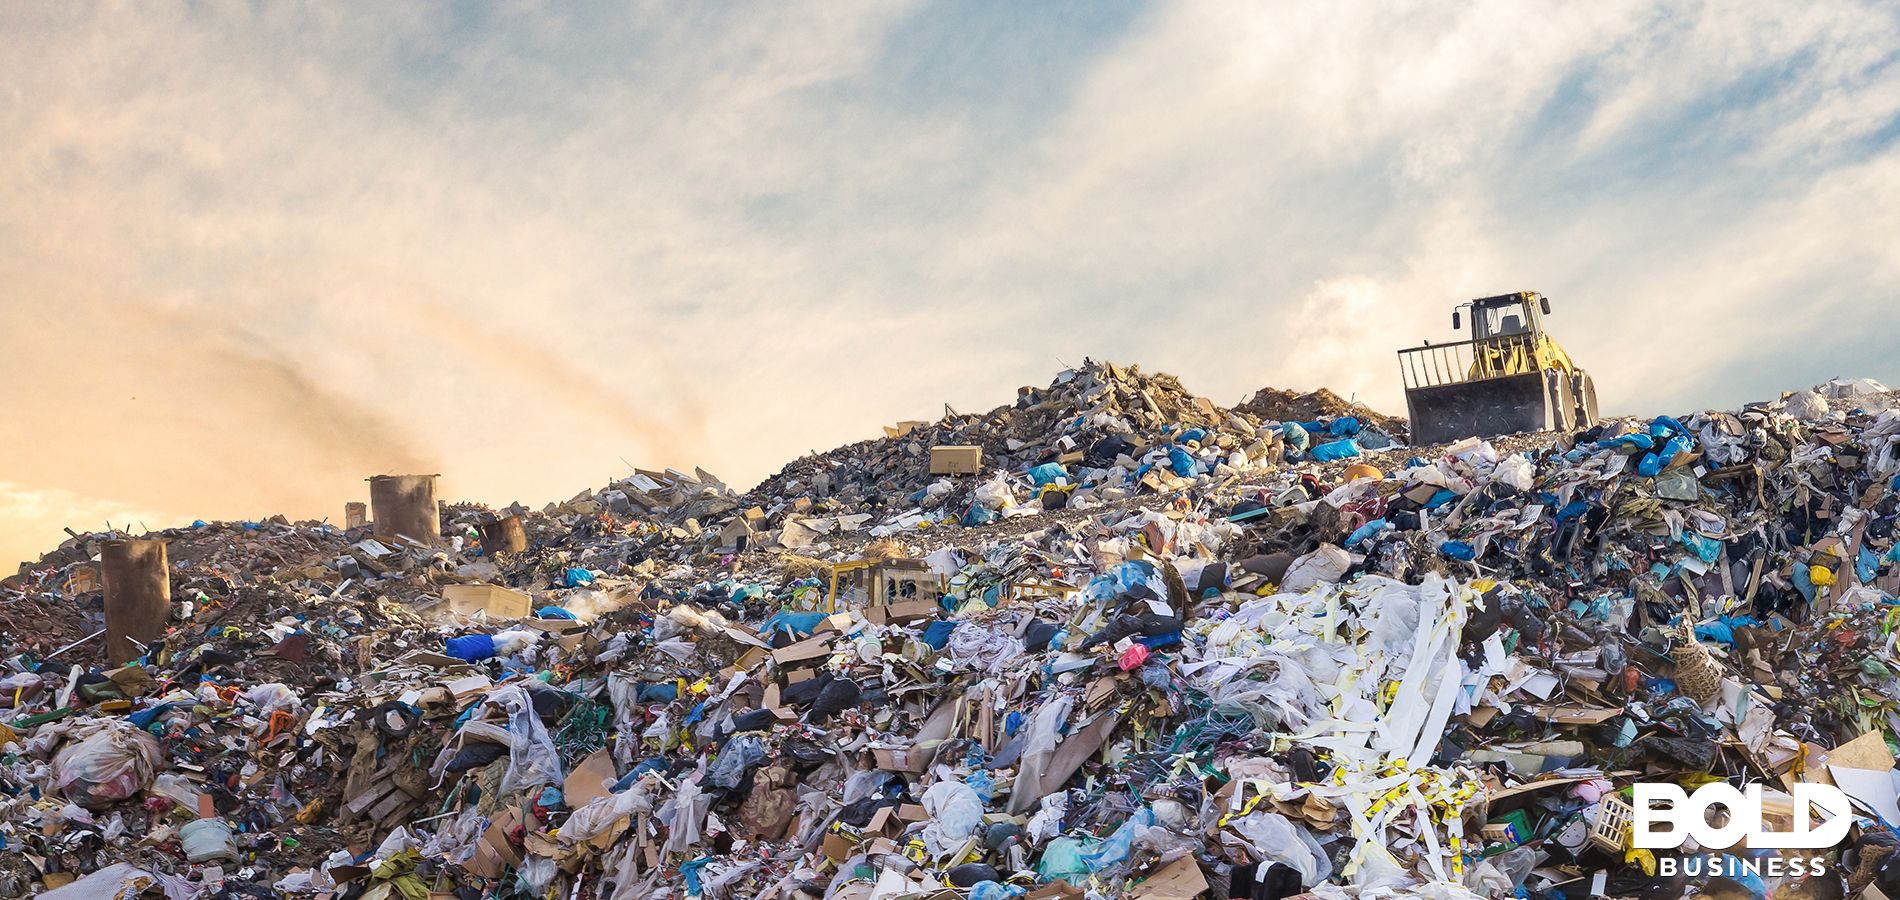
<point x="1098" y="434"/>
<point x="1265" y="673"/>
<point x="1277" y="404"/>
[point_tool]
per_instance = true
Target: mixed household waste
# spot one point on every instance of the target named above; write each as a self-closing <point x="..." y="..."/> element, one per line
<point x="1153" y="648"/>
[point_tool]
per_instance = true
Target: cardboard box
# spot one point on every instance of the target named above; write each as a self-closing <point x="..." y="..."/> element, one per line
<point x="492" y="599"/>
<point x="884" y="822"/>
<point x="900" y="613"/>
<point x="956" y="460"/>
<point x="838" y="847"/>
<point x="911" y="760"/>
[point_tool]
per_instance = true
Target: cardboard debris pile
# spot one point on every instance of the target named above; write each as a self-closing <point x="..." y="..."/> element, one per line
<point x="1407" y="671"/>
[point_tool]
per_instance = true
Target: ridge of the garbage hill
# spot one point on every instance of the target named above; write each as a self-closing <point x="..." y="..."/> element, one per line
<point x="1111" y="639"/>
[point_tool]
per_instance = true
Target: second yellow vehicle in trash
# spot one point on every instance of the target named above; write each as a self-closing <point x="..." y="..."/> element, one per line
<point x="1509" y="377"/>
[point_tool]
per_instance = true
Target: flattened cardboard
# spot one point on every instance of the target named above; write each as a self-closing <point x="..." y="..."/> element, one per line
<point x="1576" y="715"/>
<point x="585" y="784"/>
<point x="1178" y="880"/>
<point x="804" y="652"/>
<point x="496" y="601"/>
<point x="1869" y="751"/>
<point x="1054" y="890"/>
<point x="902" y="613"/>
<point x="493" y="853"/>
<point x="1075" y="750"/>
<point x="566" y="632"/>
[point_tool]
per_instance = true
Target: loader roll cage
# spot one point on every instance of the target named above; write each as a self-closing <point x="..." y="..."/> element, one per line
<point x="1437" y="365"/>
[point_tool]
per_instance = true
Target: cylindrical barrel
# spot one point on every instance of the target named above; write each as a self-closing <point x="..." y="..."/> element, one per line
<point x="404" y="506"/>
<point x="504" y="536"/>
<point x="138" y="595"/>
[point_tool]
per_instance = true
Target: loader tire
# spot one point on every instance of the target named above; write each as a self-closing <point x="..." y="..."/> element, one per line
<point x="1586" y="394"/>
<point x="1559" y="402"/>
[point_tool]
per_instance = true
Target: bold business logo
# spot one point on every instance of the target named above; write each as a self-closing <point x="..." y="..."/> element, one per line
<point x="1682" y="816"/>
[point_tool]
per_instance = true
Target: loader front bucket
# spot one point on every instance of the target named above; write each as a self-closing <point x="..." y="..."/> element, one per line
<point x="1489" y="406"/>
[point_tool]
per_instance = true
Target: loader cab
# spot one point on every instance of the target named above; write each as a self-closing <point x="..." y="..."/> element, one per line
<point x="1504" y="315"/>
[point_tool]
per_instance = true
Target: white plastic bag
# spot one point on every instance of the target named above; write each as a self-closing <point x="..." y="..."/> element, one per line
<point x="1516" y="471"/>
<point x="111" y="761"/>
<point x="1322" y="566"/>
<point x="955" y="813"/>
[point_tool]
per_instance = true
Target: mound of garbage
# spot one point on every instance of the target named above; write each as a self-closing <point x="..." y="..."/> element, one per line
<point x="1276" y="404"/>
<point x="1099" y="434"/>
<point x="1205" y="658"/>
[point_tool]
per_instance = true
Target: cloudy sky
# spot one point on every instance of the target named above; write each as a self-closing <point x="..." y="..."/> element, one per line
<point x="251" y="253"/>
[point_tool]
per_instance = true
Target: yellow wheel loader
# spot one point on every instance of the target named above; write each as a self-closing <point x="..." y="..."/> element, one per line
<point x="1509" y="377"/>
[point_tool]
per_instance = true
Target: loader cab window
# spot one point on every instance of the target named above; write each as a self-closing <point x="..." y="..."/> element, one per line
<point x="1500" y="320"/>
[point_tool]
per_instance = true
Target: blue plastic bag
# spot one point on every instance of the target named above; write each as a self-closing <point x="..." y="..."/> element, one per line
<point x="1047" y="473"/>
<point x="1297" y="440"/>
<point x="554" y="612"/>
<point x="1458" y="550"/>
<point x="1364" y="532"/>
<point x="1181" y="462"/>
<point x="937" y="633"/>
<point x="1655" y="461"/>
<point x="575" y="577"/>
<point x="1337" y="450"/>
<point x="1633" y="441"/>
<point x="1116" y="849"/>
<point x="470" y="647"/>
<point x="1704" y="547"/>
<point x="797" y="624"/>
<point x="689" y="871"/>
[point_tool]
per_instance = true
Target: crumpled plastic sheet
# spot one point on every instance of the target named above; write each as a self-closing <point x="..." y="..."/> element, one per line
<point x="684" y="814"/>
<point x="624" y="692"/>
<point x="601" y="813"/>
<point x="1322" y="566"/>
<point x="720" y="882"/>
<point x="1273" y="837"/>
<point x="1044" y="732"/>
<point x="995" y="494"/>
<point x="1515" y="470"/>
<point x="955" y="813"/>
<point x="984" y="649"/>
<point x="1047" y="822"/>
<point x="532" y="757"/>
<point x="740" y="755"/>
<point x="1115" y="849"/>
<point x="1124" y="578"/>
